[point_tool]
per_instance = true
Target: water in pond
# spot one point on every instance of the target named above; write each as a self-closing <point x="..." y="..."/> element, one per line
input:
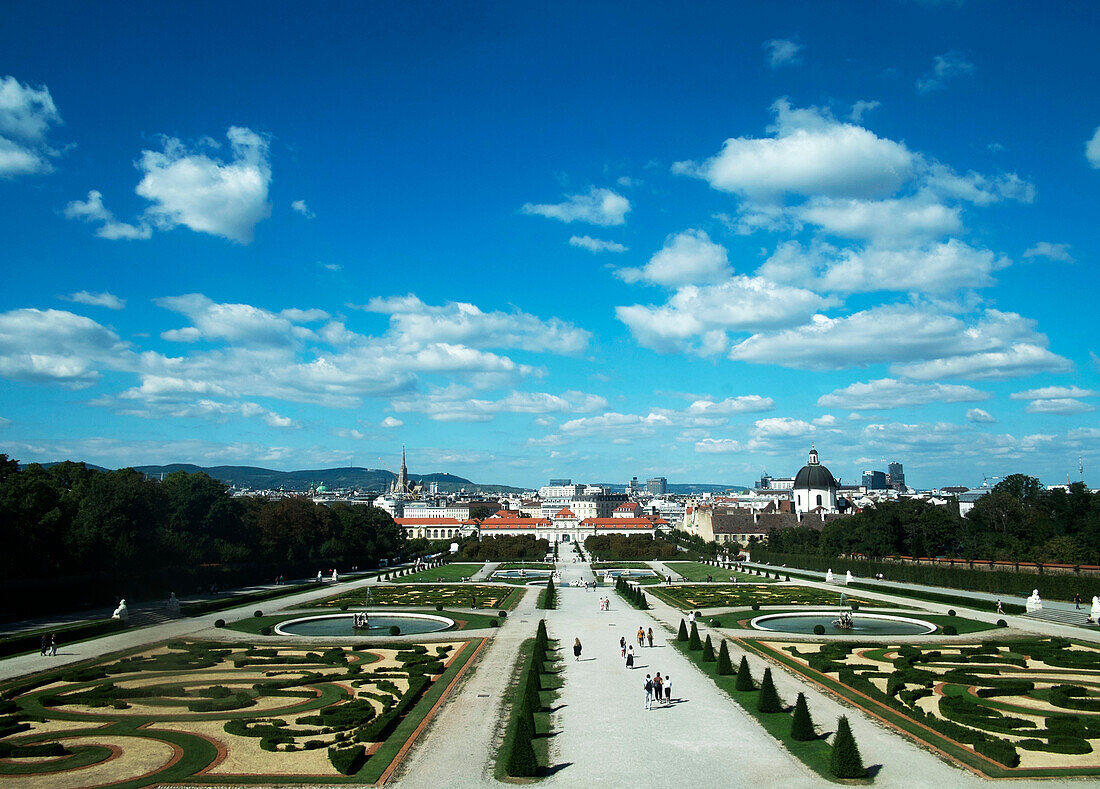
<point x="863" y="624"/>
<point x="379" y="625"/>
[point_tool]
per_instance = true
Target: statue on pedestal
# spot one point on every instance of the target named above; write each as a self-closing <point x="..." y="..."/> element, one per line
<point x="122" y="612"/>
<point x="1034" y="603"/>
<point x="1095" y="617"/>
<point x="848" y="577"/>
<point x="173" y="603"/>
<point x="829" y="576"/>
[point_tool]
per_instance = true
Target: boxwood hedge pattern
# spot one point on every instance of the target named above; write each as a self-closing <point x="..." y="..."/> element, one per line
<point x="269" y="704"/>
<point x="1025" y="704"/>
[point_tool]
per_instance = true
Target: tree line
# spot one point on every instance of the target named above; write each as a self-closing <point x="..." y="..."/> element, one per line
<point x="1018" y="520"/>
<point x="68" y="520"/>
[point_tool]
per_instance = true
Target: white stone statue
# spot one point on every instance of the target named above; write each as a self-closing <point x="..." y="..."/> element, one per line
<point x="1096" y="609"/>
<point x="335" y="576"/>
<point x="173" y="603"/>
<point x="848" y="577"/>
<point x="1034" y="603"/>
<point x="829" y="576"/>
<point x="122" y="612"/>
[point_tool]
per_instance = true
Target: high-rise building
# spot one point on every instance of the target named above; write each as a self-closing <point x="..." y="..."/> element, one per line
<point x="633" y="486"/>
<point x="874" y="480"/>
<point x="658" y="486"/>
<point x="558" y="483"/>
<point x="896" y="475"/>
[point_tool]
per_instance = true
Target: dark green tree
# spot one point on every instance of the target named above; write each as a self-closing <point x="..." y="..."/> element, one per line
<point x="522" y="762"/>
<point x="682" y="633"/>
<point x="693" y="640"/>
<point x="708" y="651"/>
<point x="802" y="725"/>
<point x="768" y="699"/>
<point x="845" y="760"/>
<point x="725" y="667"/>
<point x="744" y="678"/>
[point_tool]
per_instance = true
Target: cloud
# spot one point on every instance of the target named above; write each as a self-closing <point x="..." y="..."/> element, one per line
<point x="59" y="347"/>
<point x="942" y="181"/>
<point x="920" y="341"/>
<point x="1059" y="405"/>
<point x="454" y="404"/>
<point x="411" y="320"/>
<point x="235" y="323"/>
<point x="929" y="268"/>
<point x="598" y="207"/>
<point x="686" y="258"/>
<point x="945" y="67"/>
<point x="892" y="220"/>
<point x="26" y="115"/>
<point x="979" y="417"/>
<point x="1092" y="149"/>
<point x="205" y="194"/>
<point x="1048" y="392"/>
<point x="860" y="107"/>
<point x="300" y="207"/>
<point x="149" y="406"/>
<point x="108" y="300"/>
<point x="391" y="422"/>
<point x="698" y="318"/>
<point x="783" y="52"/>
<point x="886" y="393"/>
<point x="92" y="210"/>
<point x="596" y="244"/>
<point x="811" y="154"/>
<point x="719" y="446"/>
<point x="732" y="405"/>
<point x="1045" y="249"/>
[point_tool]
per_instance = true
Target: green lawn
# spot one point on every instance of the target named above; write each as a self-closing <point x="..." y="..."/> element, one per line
<point x="697" y="571"/>
<point x="544" y="719"/>
<point x="447" y="572"/>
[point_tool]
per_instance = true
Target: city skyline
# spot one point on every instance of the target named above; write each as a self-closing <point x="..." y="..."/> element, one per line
<point x="578" y="242"/>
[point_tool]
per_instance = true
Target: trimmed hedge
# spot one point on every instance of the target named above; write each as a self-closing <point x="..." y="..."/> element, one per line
<point x="725" y="667"/>
<point x="348" y="761"/>
<point x="802" y="725"/>
<point x="845" y="760"/>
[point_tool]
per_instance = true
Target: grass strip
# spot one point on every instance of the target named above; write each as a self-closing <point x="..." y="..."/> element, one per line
<point x="551" y="685"/>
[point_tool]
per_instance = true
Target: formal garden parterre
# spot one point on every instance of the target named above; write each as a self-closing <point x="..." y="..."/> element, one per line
<point x="698" y="596"/>
<point x="208" y="712"/>
<point x="499" y="596"/>
<point x="1019" y="707"/>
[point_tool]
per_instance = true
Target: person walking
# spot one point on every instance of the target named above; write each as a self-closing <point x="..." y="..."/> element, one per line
<point x="657" y="683"/>
<point x="649" y="636"/>
<point x="622" y="646"/>
<point x="53" y="645"/>
<point x="630" y="656"/>
<point x="648" y="692"/>
<point x="641" y="637"/>
<point x="668" y="689"/>
<point x="1000" y="608"/>
<point x="576" y="649"/>
<point x="1077" y="601"/>
<point x="45" y="644"/>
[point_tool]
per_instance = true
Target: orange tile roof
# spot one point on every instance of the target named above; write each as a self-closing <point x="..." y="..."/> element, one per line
<point x="564" y="512"/>
<point x="618" y="523"/>
<point x="430" y="522"/>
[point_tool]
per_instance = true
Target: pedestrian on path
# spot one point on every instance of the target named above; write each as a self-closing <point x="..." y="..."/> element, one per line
<point x="53" y="645"/>
<point x="45" y="644"/>
<point x="641" y="637"/>
<point x="649" y="635"/>
<point x="648" y="692"/>
<point x="657" y="685"/>
<point x="622" y="646"/>
<point x="630" y="656"/>
<point x="576" y="649"/>
<point x="1000" y="608"/>
<point x="691" y="617"/>
<point x="668" y="688"/>
<point x="1077" y="601"/>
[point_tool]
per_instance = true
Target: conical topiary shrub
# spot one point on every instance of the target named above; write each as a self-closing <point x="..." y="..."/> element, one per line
<point x="682" y="633"/>
<point x="845" y="760"/>
<point x="744" y="678"/>
<point x="693" y="640"/>
<point x="522" y="762"/>
<point x="708" y="651"/>
<point x="768" y="700"/>
<point x="725" y="667"/>
<point x="802" y="725"/>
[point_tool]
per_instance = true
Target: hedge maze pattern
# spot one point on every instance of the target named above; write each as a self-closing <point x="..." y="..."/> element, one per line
<point x="425" y="595"/>
<point x="212" y="713"/>
<point x="1031" y="704"/>
<point x="695" y="596"/>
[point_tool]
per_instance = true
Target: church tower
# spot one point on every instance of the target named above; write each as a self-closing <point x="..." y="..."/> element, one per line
<point x="403" y="476"/>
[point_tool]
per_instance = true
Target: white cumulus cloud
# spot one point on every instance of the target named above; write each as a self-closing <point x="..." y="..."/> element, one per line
<point x="686" y="258"/>
<point x="300" y="207"/>
<point x="1045" y="249"/>
<point x="26" y="115"/>
<point x="596" y="244"/>
<point x="783" y="52"/>
<point x="979" y="417"/>
<point x="886" y="393"/>
<point x="108" y="300"/>
<point x="597" y="207"/>
<point x="92" y="210"/>
<point x="1092" y="149"/>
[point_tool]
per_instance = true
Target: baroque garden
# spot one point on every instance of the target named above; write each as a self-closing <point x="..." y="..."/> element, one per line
<point x="430" y="673"/>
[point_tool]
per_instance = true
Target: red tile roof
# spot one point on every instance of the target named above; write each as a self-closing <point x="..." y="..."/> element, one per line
<point x="515" y="523"/>
<point x="430" y="522"/>
<point x="618" y="523"/>
<point x="564" y="512"/>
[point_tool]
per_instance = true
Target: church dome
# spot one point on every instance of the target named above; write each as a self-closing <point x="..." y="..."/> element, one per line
<point x="814" y="475"/>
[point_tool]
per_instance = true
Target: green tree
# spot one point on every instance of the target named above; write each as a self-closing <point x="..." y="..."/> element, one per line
<point x="744" y="677"/>
<point x="725" y="667"/>
<point x="802" y="725"/>
<point x="708" y="651"/>
<point x="845" y="760"/>
<point x="768" y="699"/>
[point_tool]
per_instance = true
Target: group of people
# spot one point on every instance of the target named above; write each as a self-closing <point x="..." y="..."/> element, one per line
<point x="605" y="604"/>
<point x="657" y="689"/>
<point x="49" y="645"/>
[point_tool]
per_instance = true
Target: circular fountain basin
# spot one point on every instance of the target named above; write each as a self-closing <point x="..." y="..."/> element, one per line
<point x="863" y="624"/>
<point x="629" y="573"/>
<point x="380" y="624"/>
<point x="520" y="574"/>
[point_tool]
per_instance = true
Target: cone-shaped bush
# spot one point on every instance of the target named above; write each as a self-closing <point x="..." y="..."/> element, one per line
<point x="744" y="678"/>
<point x="802" y="725"/>
<point x="682" y="634"/>
<point x="708" y="651"/>
<point x="725" y="667"/>
<point x="522" y="762"/>
<point x="693" y="639"/>
<point x="768" y="700"/>
<point x="531" y="688"/>
<point x="845" y="760"/>
<point x="540" y="633"/>
<point x="642" y="602"/>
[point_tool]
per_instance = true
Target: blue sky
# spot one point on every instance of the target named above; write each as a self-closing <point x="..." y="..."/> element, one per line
<point x="569" y="239"/>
